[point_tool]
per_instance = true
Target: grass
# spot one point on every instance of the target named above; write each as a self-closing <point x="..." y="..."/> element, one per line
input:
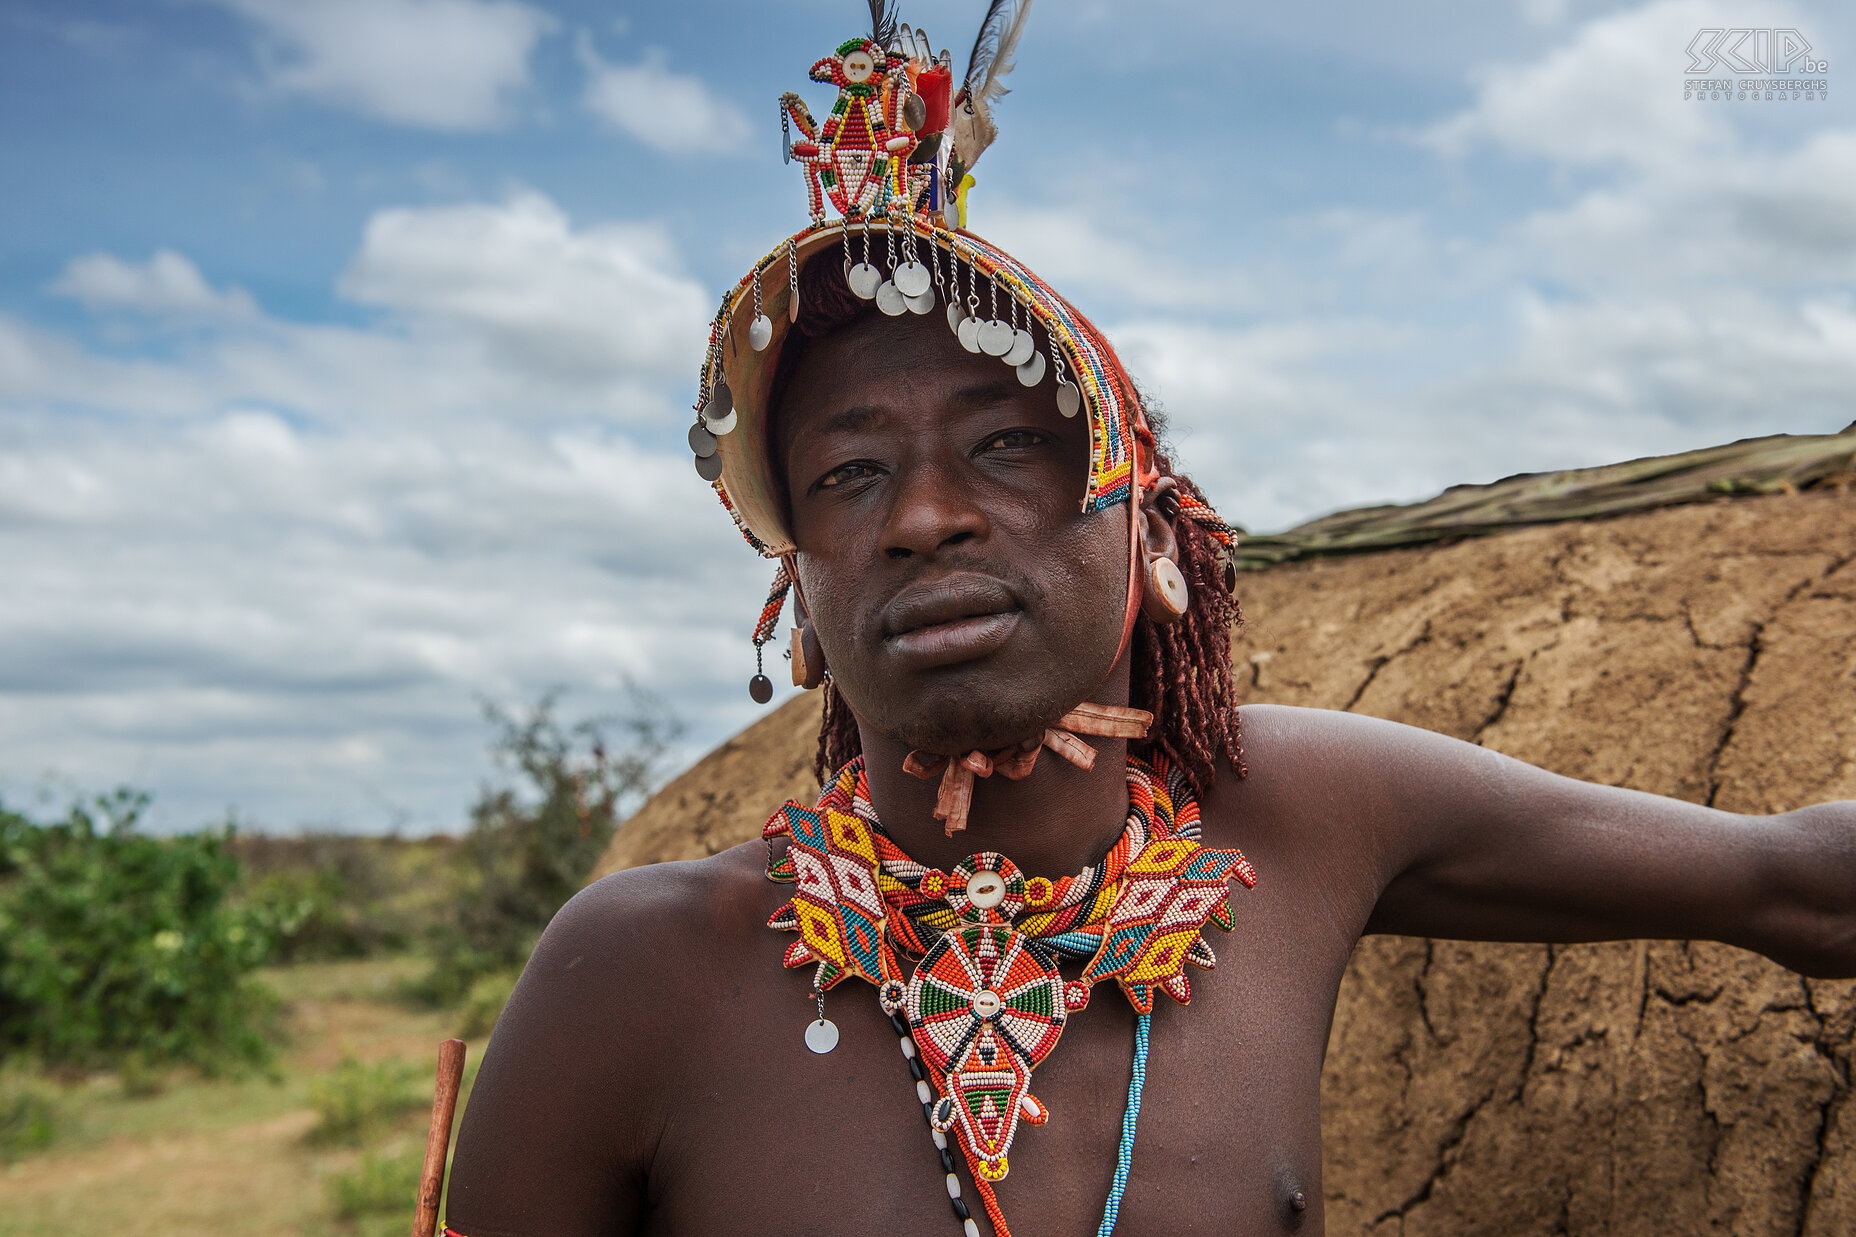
<point x="179" y="1154"/>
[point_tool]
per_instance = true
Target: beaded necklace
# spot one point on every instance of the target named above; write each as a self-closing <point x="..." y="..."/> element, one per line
<point x="984" y="1002"/>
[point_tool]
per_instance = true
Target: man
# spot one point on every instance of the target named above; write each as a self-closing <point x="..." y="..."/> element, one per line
<point x="670" y="1063"/>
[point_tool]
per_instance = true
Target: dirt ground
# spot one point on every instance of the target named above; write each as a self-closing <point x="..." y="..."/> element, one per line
<point x="1706" y="652"/>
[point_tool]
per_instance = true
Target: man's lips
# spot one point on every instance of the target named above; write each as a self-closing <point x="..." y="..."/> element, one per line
<point x="953" y="619"/>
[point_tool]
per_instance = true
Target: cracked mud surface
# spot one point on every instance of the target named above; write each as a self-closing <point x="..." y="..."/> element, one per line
<point x="1623" y="1089"/>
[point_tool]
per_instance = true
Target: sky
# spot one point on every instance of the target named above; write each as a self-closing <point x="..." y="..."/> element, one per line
<point x="347" y="347"/>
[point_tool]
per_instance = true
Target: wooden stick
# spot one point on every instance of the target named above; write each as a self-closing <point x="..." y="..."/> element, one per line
<point x="438" y="1136"/>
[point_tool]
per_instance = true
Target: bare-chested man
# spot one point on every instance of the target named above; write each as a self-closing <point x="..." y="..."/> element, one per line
<point x="652" y="1073"/>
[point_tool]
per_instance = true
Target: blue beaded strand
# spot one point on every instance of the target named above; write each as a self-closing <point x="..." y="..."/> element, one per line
<point x="1124" y="1154"/>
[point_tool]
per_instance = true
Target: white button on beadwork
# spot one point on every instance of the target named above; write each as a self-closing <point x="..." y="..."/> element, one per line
<point x="986" y="1002"/>
<point x="985" y="890"/>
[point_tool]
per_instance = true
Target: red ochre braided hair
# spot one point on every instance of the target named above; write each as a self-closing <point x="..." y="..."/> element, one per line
<point x="1181" y="672"/>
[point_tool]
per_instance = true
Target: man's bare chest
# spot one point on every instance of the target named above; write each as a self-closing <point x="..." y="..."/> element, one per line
<point x="763" y="1136"/>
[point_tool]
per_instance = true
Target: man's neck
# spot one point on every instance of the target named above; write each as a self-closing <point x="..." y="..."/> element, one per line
<point x="1052" y="823"/>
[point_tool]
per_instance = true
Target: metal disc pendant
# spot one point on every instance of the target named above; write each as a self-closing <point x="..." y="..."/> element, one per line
<point x="721" y="425"/>
<point x="760" y="332"/>
<point x="864" y="279"/>
<point x="760" y="689"/>
<point x="956" y="314"/>
<point x="922" y="304"/>
<point x="822" y="1036"/>
<point x="702" y="442"/>
<point x="721" y="402"/>
<point x="1069" y="399"/>
<point x="912" y="278"/>
<point x="1023" y="345"/>
<point x="1032" y="372"/>
<point x="889" y="299"/>
<point x="969" y="332"/>
<point x="996" y="337"/>
<point x="708" y="467"/>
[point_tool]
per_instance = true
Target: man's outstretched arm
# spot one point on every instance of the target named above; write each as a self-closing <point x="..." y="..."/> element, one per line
<point x="1473" y="845"/>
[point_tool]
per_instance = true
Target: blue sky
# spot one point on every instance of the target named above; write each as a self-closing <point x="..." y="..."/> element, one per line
<point x="346" y="346"/>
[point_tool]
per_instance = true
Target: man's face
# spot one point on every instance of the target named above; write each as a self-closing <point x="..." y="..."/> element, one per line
<point x="960" y="596"/>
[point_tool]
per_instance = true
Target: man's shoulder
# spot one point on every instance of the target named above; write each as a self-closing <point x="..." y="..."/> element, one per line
<point x="699" y="903"/>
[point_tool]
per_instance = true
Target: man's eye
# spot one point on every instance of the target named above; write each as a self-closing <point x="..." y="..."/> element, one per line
<point x="1014" y="438"/>
<point x="844" y="473"/>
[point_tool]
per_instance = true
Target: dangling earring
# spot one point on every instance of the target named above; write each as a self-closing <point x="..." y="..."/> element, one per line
<point x="1166" y="596"/>
<point x="808" y="658"/>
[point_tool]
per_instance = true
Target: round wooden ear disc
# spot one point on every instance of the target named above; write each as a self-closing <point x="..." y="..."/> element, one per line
<point x="1166" y="595"/>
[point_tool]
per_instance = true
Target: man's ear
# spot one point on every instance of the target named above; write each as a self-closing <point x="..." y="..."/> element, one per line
<point x="1166" y="596"/>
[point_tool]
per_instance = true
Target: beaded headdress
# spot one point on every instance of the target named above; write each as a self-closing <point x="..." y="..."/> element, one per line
<point x="887" y="174"/>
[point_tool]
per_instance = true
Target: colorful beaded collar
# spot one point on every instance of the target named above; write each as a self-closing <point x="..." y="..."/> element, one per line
<point x="985" y="1002"/>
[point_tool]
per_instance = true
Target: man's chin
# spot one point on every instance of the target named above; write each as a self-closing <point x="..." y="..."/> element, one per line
<point x="966" y="725"/>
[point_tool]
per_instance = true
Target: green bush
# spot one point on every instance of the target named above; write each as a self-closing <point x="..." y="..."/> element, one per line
<point x="113" y="943"/>
<point x="530" y="846"/>
<point x="383" y="1186"/>
<point x="357" y="1102"/>
<point x="29" y="1114"/>
<point x="322" y="896"/>
<point x="483" y="1004"/>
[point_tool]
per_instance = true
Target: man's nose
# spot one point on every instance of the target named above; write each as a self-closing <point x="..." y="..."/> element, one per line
<point x="931" y="512"/>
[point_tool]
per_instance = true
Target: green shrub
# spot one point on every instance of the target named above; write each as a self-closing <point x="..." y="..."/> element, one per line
<point x="29" y="1114"/>
<point x="357" y="1102"/>
<point x="113" y="943"/>
<point x="530" y="846"/>
<point x="483" y="1004"/>
<point x="323" y="896"/>
<point x="383" y="1184"/>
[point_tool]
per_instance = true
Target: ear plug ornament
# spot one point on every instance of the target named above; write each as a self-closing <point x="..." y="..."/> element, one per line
<point x="1166" y="596"/>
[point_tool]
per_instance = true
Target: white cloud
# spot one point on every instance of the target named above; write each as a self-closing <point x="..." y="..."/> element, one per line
<point x="600" y="304"/>
<point x="278" y="566"/>
<point x="437" y="64"/>
<point x="167" y="285"/>
<point x="672" y="112"/>
<point x="1611" y="94"/>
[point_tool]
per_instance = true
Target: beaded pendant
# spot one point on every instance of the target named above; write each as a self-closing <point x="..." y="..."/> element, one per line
<point x="984" y="1006"/>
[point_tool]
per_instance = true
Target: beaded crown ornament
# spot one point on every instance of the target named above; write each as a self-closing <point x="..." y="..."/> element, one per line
<point x="887" y="173"/>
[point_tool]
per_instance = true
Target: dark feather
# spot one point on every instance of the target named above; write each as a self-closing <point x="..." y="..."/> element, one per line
<point x="986" y="43"/>
<point x="883" y="22"/>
